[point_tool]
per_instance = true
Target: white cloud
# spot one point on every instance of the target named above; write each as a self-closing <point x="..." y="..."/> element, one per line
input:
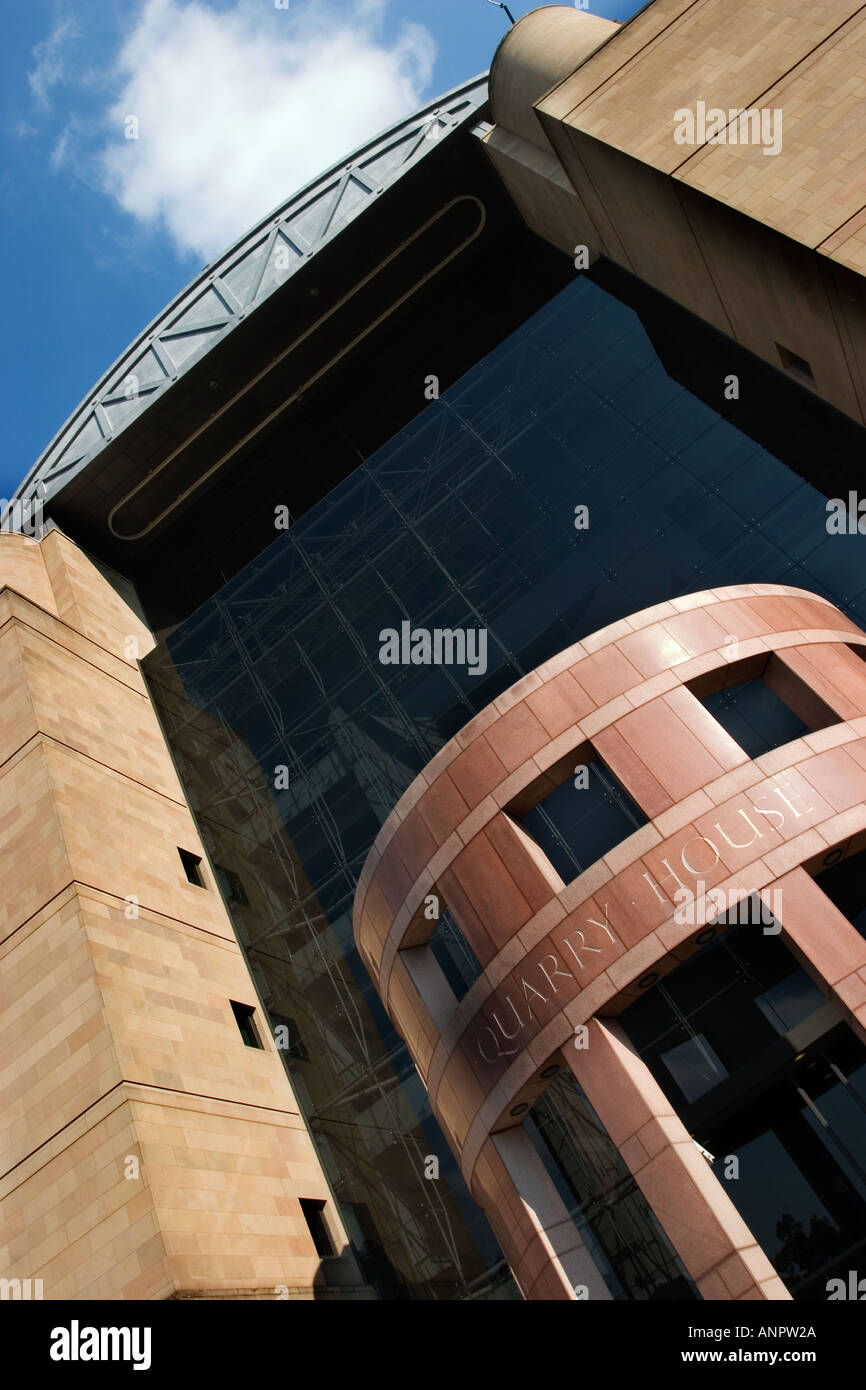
<point x="237" y="109"/>
<point x="59" y="152"/>
<point x="50" y="64"/>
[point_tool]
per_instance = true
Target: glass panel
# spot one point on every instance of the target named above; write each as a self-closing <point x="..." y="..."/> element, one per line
<point x="296" y="740"/>
<point x="845" y="885"/>
<point x="617" y="1225"/>
<point x="754" y="715"/>
<point x="785" y="1214"/>
<point x="454" y="954"/>
<point x="577" y="824"/>
<point x="694" y="1066"/>
<point x="791" y="1001"/>
<point x="786" y="1129"/>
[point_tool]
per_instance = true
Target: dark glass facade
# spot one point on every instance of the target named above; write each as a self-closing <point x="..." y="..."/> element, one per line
<point x="845" y="885"/>
<point x="617" y="1225"/>
<point x="454" y="954"/>
<point x="772" y="1083"/>
<point x="294" y="741"/>
<point x="575" y="831"/>
<point x="754" y="715"/>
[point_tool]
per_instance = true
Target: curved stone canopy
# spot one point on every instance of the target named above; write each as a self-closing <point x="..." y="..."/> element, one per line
<point x="239" y="281"/>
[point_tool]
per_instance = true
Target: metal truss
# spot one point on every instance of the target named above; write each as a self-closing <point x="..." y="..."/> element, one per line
<point x="238" y="282"/>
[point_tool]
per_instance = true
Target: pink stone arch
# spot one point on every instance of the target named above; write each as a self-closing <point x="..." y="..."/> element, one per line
<point x="558" y="955"/>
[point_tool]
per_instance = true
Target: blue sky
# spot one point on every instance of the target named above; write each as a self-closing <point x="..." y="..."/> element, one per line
<point x="99" y="232"/>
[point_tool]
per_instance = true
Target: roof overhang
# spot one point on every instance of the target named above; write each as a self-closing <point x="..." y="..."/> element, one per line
<point x="205" y="369"/>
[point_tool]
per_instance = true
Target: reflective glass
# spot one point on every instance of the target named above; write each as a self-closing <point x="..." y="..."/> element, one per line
<point x="296" y="740"/>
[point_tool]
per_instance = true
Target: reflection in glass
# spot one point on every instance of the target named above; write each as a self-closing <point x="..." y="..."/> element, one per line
<point x="755" y="716"/>
<point x="576" y="825"/>
<point x="615" y="1221"/>
<point x="295" y="742"/>
<point x="694" y="1066"/>
<point x="454" y="954"/>
<point x="787" y="1127"/>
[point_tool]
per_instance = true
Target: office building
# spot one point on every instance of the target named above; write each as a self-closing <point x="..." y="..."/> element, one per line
<point x="433" y="795"/>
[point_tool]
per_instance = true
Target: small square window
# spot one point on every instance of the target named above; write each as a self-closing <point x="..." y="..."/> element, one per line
<point x="754" y="715"/>
<point x="761" y="703"/>
<point x="314" y="1215"/>
<point x="192" y="867"/>
<point x="244" y="1018"/>
<point x="795" y="365"/>
<point x="584" y="818"/>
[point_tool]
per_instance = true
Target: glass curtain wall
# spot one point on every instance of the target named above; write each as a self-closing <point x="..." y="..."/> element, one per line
<point x="295" y="740"/>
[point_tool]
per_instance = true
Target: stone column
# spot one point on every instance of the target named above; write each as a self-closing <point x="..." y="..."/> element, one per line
<point x="703" y="1225"/>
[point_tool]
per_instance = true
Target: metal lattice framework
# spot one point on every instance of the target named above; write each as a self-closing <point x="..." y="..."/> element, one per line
<point x="239" y="281"/>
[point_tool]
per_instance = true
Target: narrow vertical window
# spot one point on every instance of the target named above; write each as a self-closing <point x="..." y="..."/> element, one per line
<point x="244" y="1018"/>
<point x="314" y="1215"/>
<point x="192" y="867"/>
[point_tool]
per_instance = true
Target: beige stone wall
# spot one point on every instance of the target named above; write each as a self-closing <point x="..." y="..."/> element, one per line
<point x="119" y="1050"/>
<point x="769" y="248"/>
